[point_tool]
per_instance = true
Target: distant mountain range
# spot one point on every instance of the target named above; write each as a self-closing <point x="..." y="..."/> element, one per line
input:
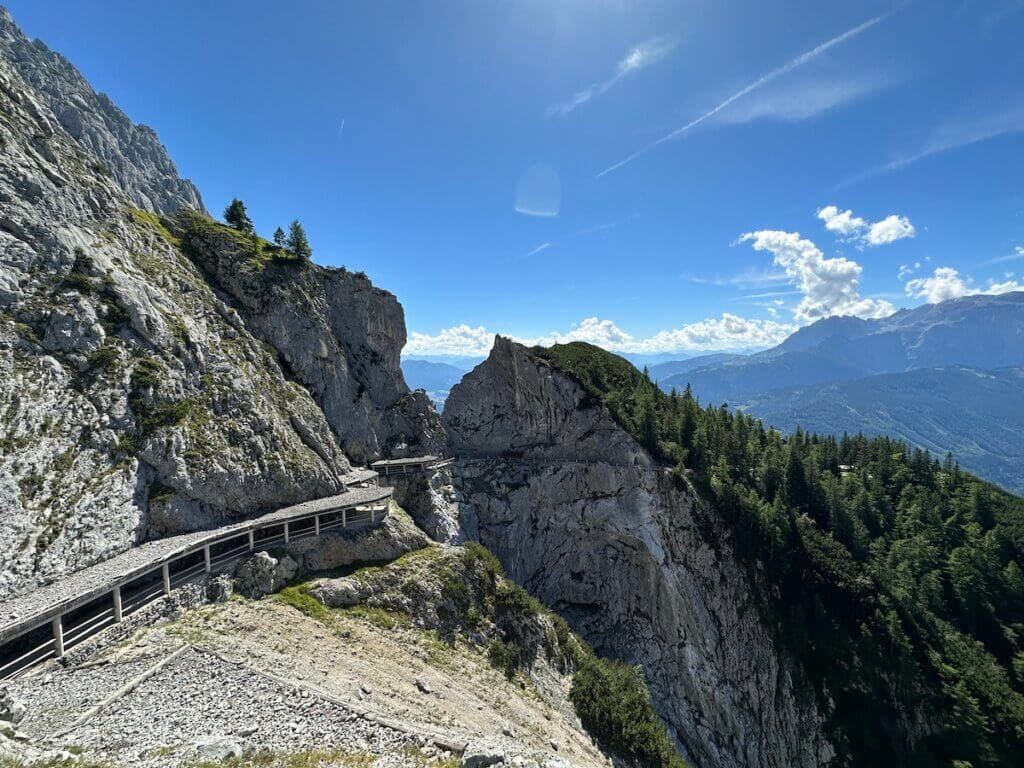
<point x="946" y="377"/>
<point x="436" y="378"/>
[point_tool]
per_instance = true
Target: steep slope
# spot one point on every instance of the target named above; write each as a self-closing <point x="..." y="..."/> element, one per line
<point x="135" y="402"/>
<point x="874" y="592"/>
<point x="979" y="331"/>
<point x="161" y="374"/>
<point x="580" y="514"/>
<point x="976" y="414"/>
<point x="131" y="154"/>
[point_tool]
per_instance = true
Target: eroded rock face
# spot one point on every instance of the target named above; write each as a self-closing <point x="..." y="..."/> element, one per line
<point x="639" y="566"/>
<point x="393" y="538"/>
<point x="143" y="390"/>
<point x="130" y="154"/>
<point x="337" y="334"/>
<point x="133" y="402"/>
<point x="520" y="405"/>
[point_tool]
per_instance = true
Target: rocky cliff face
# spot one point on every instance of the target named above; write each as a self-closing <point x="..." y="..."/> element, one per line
<point x="131" y="154"/>
<point x="134" y="401"/>
<point x="143" y="391"/>
<point x="338" y="335"/>
<point x="578" y="514"/>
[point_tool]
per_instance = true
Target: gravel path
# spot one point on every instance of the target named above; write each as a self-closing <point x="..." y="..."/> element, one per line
<point x="201" y="698"/>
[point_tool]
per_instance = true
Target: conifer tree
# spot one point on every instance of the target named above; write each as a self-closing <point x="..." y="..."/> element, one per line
<point x="279" y="238"/>
<point x="236" y="216"/>
<point x="298" y="243"/>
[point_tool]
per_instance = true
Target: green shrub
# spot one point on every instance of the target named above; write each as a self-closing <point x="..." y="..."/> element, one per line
<point x="126" y="445"/>
<point x="506" y="656"/>
<point x="614" y="705"/>
<point x="149" y="372"/>
<point x="79" y="282"/>
<point x="167" y="414"/>
<point x="105" y="358"/>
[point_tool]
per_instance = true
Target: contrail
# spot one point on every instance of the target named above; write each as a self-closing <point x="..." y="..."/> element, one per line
<point x="784" y="69"/>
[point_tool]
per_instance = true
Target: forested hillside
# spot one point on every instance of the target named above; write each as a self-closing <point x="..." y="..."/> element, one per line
<point x="896" y="578"/>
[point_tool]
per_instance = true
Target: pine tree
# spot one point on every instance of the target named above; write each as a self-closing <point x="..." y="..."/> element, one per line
<point x="236" y="216"/>
<point x="297" y="242"/>
<point x="279" y="238"/>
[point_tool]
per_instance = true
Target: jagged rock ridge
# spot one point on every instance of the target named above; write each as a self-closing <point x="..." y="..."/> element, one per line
<point x="132" y="154"/>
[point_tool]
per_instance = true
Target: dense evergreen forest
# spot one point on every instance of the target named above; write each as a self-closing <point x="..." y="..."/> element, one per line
<point x="895" y="577"/>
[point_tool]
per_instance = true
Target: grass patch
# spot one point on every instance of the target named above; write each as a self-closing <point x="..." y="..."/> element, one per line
<point x="378" y="617"/>
<point x="153" y="223"/>
<point x="298" y="597"/>
<point x="312" y="758"/>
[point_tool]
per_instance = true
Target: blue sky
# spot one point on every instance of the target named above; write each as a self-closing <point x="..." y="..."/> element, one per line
<point x="649" y="176"/>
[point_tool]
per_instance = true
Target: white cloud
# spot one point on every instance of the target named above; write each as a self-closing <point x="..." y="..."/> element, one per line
<point x="906" y="271"/>
<point x="888" y="230"/>
<point x="799" y="100"/>
<point x="457" y="340"/>
<point x="638" y="58"/>
<point x="1018" y="253"/>
<point x="1009" y="286"/>
<point x="841" y="222"/>
<point x="946" y="283"/>
<point x="728" y="332"/>
<point x="762" y="81"/>
<point x="745" y="280"/>
<point x="538" y="249"/>
<point x="830" y="286"/>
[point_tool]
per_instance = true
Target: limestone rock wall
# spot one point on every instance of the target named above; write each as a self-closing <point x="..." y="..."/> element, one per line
<point x="133" y="401"/>
<point x="131" y="154"/>
<point x="337" y="335"/>
<point x="639" y="566"/>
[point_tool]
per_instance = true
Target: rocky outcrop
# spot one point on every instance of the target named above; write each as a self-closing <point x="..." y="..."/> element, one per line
<point x="134" y="401"/>
<point x="396" y="536"/>
<point x="520" y="405"/>
<point x="639" y="565"/>
<point x="337" y="334"/>
<point x="431" y="501"/>
<point x="130" y="154"/>
<point x="262" y="574"/>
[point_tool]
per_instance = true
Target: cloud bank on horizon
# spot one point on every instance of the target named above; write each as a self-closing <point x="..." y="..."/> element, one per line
<point x="726" y="332"/>
<point x="827" y="286"/>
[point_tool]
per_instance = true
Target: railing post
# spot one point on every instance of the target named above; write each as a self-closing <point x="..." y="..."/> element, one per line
<point x="165" y="569"/>
<point x="286" y="532"/>
<point x="58" y="636"/>
<point x="206" y="557"/>
<point x="252" y="541"/>
<point x="344" y="518"/>
<point x="316" y="525"/>
<point x="117" y="604"/>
